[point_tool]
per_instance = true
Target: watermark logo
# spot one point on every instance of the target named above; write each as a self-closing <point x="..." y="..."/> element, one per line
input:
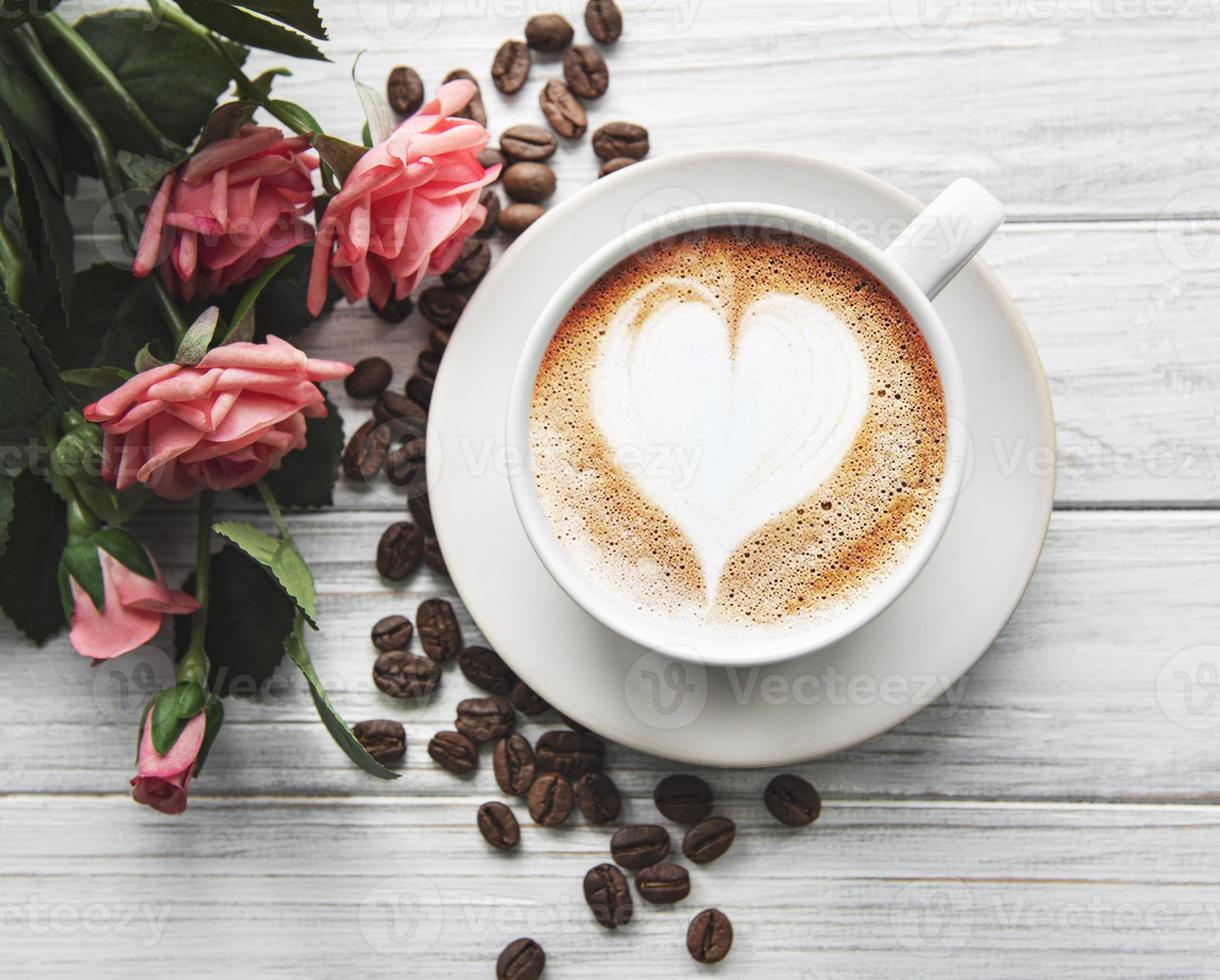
<point x="932" y="21"/>
<point x="665" y="693"/>
<point x="400" y="914"/>
<point x="1188" y="688"/>
<point x="933" y="918"/>
<point x="401" y="21"/>
<point x="1188" y="230"/>
<point x="122" y="686"/>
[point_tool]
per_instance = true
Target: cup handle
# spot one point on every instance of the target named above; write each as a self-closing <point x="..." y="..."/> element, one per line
<point x="947" y="233"/>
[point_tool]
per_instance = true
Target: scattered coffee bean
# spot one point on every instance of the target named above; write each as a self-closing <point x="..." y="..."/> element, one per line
<point x="484" y="669"/>
<point x="402" y="469"/>
<point x="441" y="307"/>
<point x="427" y="364"/>
<point x="513" y="761"/>
<point x="598" y="798"/>
<point x="385" y="741"/>
<point x="615" y="165"/>
<point x="570" y="753"/>
<point x="515" y="218"/>
<point x="526" y="701"/>
<point x="415" y="448"/>
<point x="365" y="451"/>
<point x="530" y="143"/>
<point x="454" y="751"/>
<point x="439" y="633"/>
<point x="608" y="896"/>
<point x="709" y="839"/>
<point x="604" y="21"/>
<point x="498" y="826"/>
<point x="369" y="378"/>
<point x="683" y="798"/>
<point x="438" y="339"/>
<point x="485" y="719"/>
<point x="434" y="558"/>
<point x="550" y="799"/>
<point x="491" y="204"/>
<point x="709" y="937"/>
<point x="585" y="71"/>
<point x="522" y="959"/>
<point x="792" y="800"/>
<point x="405" y="675"/>
<point x="405" y="90"/>
<point x="392" y="633"/>
<point x="529" y="182"/>
<point x="399" y="551"/>
<point x="419" y="390"/>
<point x="511" y="66"/>
<point x="563" y="110"/>
<point x="401" y="414"/>
<point x="491" y="157"/>
<point x="548" y="32"/>
<point x="639" y="846"/>
<point x="621" y="139"/>
<point x="393" y="311"/>
<point x="475" y="110"/>
<point x="471" y="265"/>
<point x="663" y="884"/>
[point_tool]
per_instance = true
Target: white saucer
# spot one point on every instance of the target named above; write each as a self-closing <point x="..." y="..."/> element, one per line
<point x="761" y="716"/>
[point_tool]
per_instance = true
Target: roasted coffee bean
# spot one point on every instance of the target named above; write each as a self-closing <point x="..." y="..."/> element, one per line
<point x="604" y="21"/>
<point x="621" y="139"/>
<point x="563" y="110"/>
<point x="530" y="143"/>
<point x="491" y="204"/>
<point x="369" y="378"/>
<point x="365" y="451"/>
<point x="484" y="669"/>
<point x="401" y="468"/>
<point x="639" y="846"/>
<point x="548" y="32"/>
<point x="683" y="798"/>
<point x="498" y="826"/>
<point x="522" y="959"/>
<point x="792" y="800"/>
<point x="441" y="307"/>
<point x="394" y="311"/>
<point x="529" y="182"/>
<point x="399" y="551"/>
<point x="415" y="448"/>
<point x="491" y="157"/>
<point x="570" y="753"/>
<point x="439" y="633"/>
<point x="454" y="751"/>
<point x="709" y="839"/>
<point x="475" y="110"/>
<point x="663" y="884"/>
<point x="709" y="936"/>
<point x="515" y="218"/>
<point x="598" y="798"/>
<point x="484" y="719"/>
<point x="615" y="165"/>
<point x="550" y="799"/>
<point x="608" y="896"/>
<point x="526" y="701"/>
<point x="513" y="761"/>
<point x="511" y="66"/>
<point x="438" y="339"/>
<point x="392" y="633"/>
<point x="419" y="390"/>
<point x="403" y="416"/>
<point x="585" y="71"/>
<point x="405" y="90"/>
<point x="405" y="675"/>
<point x="471" y="265"/>
<point x="385" y="741"/>
<point x="427" y="364"/>
<point x="434" y="558"/>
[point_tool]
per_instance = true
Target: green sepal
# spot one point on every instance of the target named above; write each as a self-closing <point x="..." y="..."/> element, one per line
<point x="172" y="709"/>
<point x="146" y="360"/>
<point x="280" y="557"/>
<point x="144" y="170"/>
<point x="243" y="315"/>
<point x="216" y="716"/>
<point x="301" y="118"/>
<point x="198" y="337"/>
<point x="126" y="550"/>
<point x="81" y="563"/>
<point x="96" y="377"/>
<point x="338" y="154"/>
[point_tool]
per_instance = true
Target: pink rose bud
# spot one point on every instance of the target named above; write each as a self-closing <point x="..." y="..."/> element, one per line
<point x="228" y="212"/>
<point x="220" y="424"/>
<point x="407" y="206"/>
<point x="163" y="780"/>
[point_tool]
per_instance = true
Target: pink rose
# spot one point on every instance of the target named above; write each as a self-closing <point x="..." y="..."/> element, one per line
<point x="220" y="424"/>
<point x="131" y="613"/>
<point x="407" y="206"/>
<point x="163" y="780"/>
<point x="230" y="210"/>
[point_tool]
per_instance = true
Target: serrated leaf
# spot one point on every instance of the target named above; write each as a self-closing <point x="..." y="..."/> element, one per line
<point x="377" y="110"/>
<point x="306" y="477"/>
<point x="298" y="653"/>
<point x="6" y="510"/>
<point x="243" y="315"/>
<point x="245" y="28"/>
<point x="29" y="574"/>
<point x="113" y="315"/>
<point x="338" y="154"/>
<point x="280" y="557"/>
<point x="23" y="95"/>
<point x="98" y="377"/>
<point x="125" y="549"/>
<point x="24" y="397"/>
<point x="172" y="709"/>
<point x="301" y="14"/>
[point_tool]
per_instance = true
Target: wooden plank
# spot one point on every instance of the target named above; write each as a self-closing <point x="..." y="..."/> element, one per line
<point x="1065" y="706"/>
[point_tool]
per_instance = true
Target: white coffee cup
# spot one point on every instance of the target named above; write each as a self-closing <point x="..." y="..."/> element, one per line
<point x="920" y="262"/>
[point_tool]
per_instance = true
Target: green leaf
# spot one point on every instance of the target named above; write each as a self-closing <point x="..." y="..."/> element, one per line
<point x="172" y="709"/>
<point x="295" y="647"/>
<point x="280" y="308"/>
<point x="144" y="170"/>
<point x="243" y="315"/>
<point x="29" y="574"/>
<point x="125" y="549"/>
<point x="301" y="14"/>
<point x="81" y="562"/>
<point x="98" y="377"/>
<point x="300" y="117"/>
<point x="30" y="106"/>
<point x="306" y="477"/>
<point x="338" y="154"/>
<point x="6" y="509"/>
<point x="216" y="717"/>
<point x="245" y="28"/>
<point x="249" y="617"/>
<point x="280" y="557"/>
<point x="113" y="315"/>
<point x="197" y="338"/>
<point x="24" y="397"/>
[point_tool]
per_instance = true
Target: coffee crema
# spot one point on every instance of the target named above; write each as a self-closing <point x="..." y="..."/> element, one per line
<point x="738" y="432"/>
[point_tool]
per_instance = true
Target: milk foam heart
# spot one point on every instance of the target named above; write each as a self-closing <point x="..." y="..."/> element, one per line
<point x="725" y="425"/>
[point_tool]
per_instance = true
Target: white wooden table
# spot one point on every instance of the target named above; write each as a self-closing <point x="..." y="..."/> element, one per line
<point x="1057" y="818"/>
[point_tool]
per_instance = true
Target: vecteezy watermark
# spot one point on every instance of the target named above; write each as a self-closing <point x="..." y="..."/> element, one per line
<point x="665" y="693"/>
<point x="1188" y="230"/>
<point x="402" y="913"/>
<point x="138" y="922"/>
<point x="933" y="918"/>
<point x="1188" y="688"/>
<point x="122" y="686"/>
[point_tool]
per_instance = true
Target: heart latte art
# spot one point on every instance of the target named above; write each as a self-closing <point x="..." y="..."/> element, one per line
<point x="738" y="433"/>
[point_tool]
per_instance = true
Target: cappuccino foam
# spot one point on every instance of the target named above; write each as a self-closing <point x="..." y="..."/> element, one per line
<point x="738" y="432"/>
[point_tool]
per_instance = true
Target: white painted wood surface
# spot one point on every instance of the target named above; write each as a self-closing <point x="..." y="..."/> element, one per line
<point x="1055" y="816"/>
